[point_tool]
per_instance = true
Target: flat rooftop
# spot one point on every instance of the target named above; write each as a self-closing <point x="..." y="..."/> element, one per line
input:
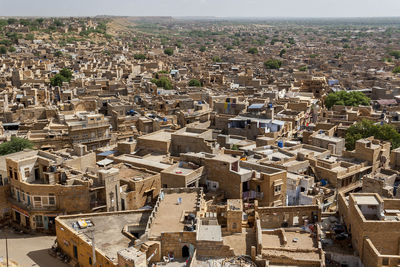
<point x="157" y="136"/>
<point x="225" y="158"/>
<point x="366" y="200"/>
<point x="189" y="133"/>
<point x="170" y="214"/>
<point x="209" y="233"/>
<point x="274" y="246"/>
<point x="22" y="155"/>
<point x="180" y="171"/>
<point x="241" y="242"/>
<point x="130" y="173"/>
<point x="140" y="162"/>
<point x="107" y="229"/>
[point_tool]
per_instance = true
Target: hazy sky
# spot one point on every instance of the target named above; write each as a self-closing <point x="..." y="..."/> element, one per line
<point x="220" y="8"/>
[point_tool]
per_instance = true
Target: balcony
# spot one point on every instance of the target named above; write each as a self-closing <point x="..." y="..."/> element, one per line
<point x="30" y="207"/>
<point x="84" y="125"/>
<point x="92" y="140"/>
<point x="248" y="195"/>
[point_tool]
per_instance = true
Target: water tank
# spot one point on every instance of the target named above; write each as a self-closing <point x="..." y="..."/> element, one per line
<point x="280" y="143"/>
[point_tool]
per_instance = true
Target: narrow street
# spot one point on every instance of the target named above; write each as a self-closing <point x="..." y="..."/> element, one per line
<point x="28" y="250"/>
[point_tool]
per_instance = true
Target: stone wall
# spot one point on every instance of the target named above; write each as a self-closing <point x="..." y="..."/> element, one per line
<point x="182" y="143"/>
<point x="213" y="249"/>
<point x="141" y="190"/>
<point x="174" y="242"/>
<point x="274" y="217"/>
<point x="4" y="204"/>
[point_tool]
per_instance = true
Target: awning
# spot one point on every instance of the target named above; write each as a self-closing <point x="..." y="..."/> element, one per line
<point x="18" y="209"/>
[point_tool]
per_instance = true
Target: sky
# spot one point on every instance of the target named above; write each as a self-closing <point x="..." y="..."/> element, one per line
<point x="218" y="8"/>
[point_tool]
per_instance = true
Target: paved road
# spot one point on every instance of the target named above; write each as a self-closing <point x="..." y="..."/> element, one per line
<point x="29" y="250"/>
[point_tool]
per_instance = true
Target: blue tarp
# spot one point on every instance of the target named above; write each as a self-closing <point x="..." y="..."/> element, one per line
<point x="106" y="153"/>
<point x="256" y="106"/>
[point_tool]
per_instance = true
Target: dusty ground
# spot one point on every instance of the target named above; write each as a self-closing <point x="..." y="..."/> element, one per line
<point x="29" y="250"/>
<point x="241" y="243"/>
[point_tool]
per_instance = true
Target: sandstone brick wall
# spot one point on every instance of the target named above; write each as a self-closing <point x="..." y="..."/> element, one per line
<point x="4" y="204"/>
<point x="67" y="239"/>
<point x="173" y="242"/>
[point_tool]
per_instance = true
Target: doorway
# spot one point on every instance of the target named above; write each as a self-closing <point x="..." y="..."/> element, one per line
<point x="245" y="186"/>
<point x="37" y="176"/>
<point x="27" y="222"/>
<point x="185" y="251"/>
<point x="18" y="217"/>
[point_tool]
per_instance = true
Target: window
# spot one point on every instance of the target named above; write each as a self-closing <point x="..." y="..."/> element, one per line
<point x="37" y="201"/>
<point x="10" y="171"/>
<point x="45" y="201"/>
<point x="90" y="260"/>
<point x="39" y="220"/>
<point x="27" y="172"/>
<point x="278" y="189"/>
<point x="75" y="252"/>
<point x="234" y="225"/>
<point x="52" y="200"/>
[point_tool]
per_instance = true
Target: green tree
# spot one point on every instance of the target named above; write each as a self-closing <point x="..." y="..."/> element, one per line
<point x="178" y="44"/>
<point x="3" y="49"/>
<point x="57" y="80"/>
<point x="163" y="82"/>
<point x="15" y="145"/>
<point x="194" y="83"/>
<point x="30" y="36"/>
<point x="366" y="128"/>
<point x="273" y="64"/>
<point x="40" y="21"/>
<point x="303" y="68"/>
<point x="396" y="69"/>
<point x="202" y="49"/>
<point x="168" y="51"/>
<point x="139" y="56"/>
<point x="283" y="51"/>
<point x="12" y="49"/>
<point x="58" y="53"/>
<point x="351" y="98"/>
<point x="58" y="23"/>
<point x="66" y="73"/>
<point x="11" y="21"/>
<point x="395" y="54"/>
<point x="216" y="59"/>
<point x="252" y="50"/>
